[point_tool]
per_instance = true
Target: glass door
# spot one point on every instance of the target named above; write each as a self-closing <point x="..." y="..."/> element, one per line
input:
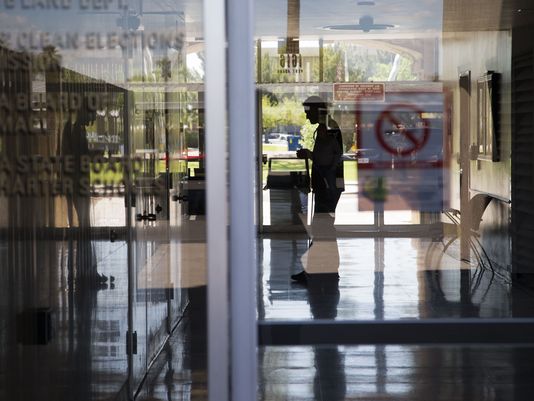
<point x="141" y="195"/>
<point x="287" y="199"/>
<point x="394" y="125"/>
<point x="154" y="64"/>
<point x="152" y="220"/>
<point x="342" y="314"/>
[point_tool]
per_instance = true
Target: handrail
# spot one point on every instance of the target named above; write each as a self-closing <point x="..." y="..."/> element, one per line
<point x="498" y="197"/>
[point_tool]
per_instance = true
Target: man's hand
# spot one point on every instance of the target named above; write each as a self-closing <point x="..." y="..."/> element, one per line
<point x="304" y="154"/>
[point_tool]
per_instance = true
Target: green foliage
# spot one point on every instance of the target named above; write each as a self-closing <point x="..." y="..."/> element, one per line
<point x="287" y="111"/>
<point x="363" y="64"/>
<point x="333" y="64"/>
<point x="381" y="73"/>
<point x="406" y="70"/>
<point x="177" y="67"/>
<point x="268" y="71"/>
<point x="350" y="169"/>
<point x="307" y="132"/>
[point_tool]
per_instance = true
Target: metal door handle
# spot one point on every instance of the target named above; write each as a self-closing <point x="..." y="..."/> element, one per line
<point x="141" y="217"/>
<point x="181" y="198"/>
<point x="146" y="217"/>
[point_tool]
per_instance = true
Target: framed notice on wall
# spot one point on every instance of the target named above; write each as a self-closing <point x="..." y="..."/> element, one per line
<point x="488" y="117"/>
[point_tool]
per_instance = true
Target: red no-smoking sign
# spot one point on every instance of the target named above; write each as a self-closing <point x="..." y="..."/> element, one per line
<point x="401" y="129"/>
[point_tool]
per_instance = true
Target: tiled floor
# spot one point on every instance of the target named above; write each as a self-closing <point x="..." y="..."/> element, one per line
<point x="379" y="279"/>
<point x="385" y="278"/>
<point x="85" y="358"/>
<point x="412" y="373"/>
<point x="180" y="372"/>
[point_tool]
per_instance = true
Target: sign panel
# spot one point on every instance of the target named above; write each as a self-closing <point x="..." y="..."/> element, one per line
<point x="396" y="136"/>
<point x="401" y="152"/>
<point x="290" y="63"/>
<point x="368" y="92"/>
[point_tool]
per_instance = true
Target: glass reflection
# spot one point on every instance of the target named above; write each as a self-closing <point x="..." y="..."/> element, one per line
<point x="95" y="107"/>
<point x="383" y="278"/>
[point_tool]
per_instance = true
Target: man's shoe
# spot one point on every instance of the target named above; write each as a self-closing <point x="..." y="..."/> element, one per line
<point x="301" y="277"/>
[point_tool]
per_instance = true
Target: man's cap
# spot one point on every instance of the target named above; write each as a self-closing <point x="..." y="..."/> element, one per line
<point x="315" y="101"/>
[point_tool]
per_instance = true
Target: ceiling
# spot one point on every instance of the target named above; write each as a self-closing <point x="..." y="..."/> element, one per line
<point x="410" y="18"/>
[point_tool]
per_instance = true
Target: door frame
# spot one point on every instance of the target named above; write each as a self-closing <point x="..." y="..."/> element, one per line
<point x="464" y="173"/>
<point x="224" y="300"/>
<point x="377" y="227"/>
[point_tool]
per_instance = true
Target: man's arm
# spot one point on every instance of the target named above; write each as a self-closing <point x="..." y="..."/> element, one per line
<point x="304" y="154"/>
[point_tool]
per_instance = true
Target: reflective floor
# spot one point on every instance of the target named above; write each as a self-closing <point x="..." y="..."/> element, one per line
<point x="85" y="356"/>
<point x="180" y="372"/>
<point x="395" y="373"/>
<point x="386" y="278"/>
<point x="379" y="279"/>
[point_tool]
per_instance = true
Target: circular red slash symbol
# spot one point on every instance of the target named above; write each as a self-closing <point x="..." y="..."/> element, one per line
<point x="413" y="138"/>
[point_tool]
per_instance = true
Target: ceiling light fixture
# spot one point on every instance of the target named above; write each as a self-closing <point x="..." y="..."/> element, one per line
<point x="366" y="24"/>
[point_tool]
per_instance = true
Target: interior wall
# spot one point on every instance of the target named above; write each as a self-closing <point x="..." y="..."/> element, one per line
<point x="479" y="52"/>
<point x="523" y="148"/>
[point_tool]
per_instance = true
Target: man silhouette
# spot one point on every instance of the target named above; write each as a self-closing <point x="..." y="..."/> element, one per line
<point x="76" y="147"/>
<point x="327" y="168"/>
<point x="327" y="185"/>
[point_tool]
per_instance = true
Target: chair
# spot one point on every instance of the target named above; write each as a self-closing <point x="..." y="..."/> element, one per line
<point x="477" y="206"/>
